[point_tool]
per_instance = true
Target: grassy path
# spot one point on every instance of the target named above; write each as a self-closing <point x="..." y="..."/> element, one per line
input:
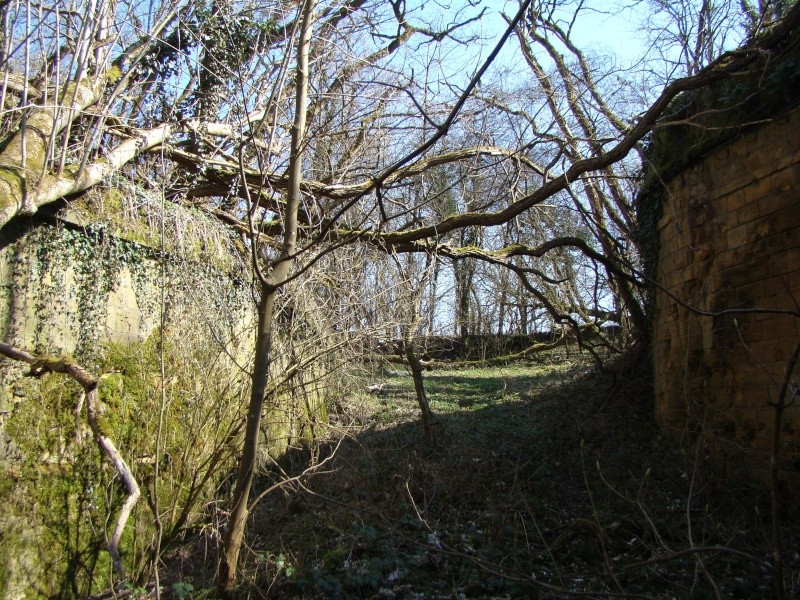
<point x="517" y="502"/>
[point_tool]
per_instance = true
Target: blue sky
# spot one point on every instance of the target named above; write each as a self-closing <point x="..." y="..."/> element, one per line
<point x="602" y="30"/>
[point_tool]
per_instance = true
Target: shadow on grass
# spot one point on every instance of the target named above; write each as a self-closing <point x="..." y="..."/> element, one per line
<point x="512" y="503"/>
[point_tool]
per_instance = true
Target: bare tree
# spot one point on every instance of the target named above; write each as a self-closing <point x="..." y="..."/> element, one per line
<point x="304" y="144"/>
<point x="271" y="283"/>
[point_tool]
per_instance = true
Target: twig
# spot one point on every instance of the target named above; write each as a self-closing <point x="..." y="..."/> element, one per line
<point x="779" y="406"/>
<point x="498" y="571"/>
<point x="689" y="529"/>
<point x="697" y="549"/>
<point x="636" y="503"/>
<point x="598" y="529"/>
<point x="312" y="470"/>
<point x="416" y="510"/>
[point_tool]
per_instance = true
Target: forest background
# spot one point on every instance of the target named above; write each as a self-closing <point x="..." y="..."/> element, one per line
<point x="374" y="173"/>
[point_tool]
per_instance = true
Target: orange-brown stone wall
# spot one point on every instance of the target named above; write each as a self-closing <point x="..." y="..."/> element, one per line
<point x="730" y="239"/>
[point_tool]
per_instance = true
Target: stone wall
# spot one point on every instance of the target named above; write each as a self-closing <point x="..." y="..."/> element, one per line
<point x="158" y="300"/>
<point x="729" y="238"/>
<point x="99" y="274"/>
<point x="95" y="271"/>
<point x="66" y="290"/>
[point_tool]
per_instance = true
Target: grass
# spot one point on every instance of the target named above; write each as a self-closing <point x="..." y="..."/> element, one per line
<point x="549" y="481"/>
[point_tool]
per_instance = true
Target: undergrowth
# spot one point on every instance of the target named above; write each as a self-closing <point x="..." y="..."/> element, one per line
<point x="548" y="482"/>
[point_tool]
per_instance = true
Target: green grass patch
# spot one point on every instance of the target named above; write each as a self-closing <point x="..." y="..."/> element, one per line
<point x="511" y="503"/>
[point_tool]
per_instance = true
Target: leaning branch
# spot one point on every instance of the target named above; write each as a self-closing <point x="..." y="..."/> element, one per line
<point x="24" y="190"/>
<point x="526" y="354"/>
<point x="40" y="365"/>
<point x="221" y="172"/>
<point x="24" y="160"/>
<point x="721" y="68"/>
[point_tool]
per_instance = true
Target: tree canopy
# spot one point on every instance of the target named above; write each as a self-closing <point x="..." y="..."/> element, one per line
<point x="316" y="127"/>
<point x="416" y="141"/>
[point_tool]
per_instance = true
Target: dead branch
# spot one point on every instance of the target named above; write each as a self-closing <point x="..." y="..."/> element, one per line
<point x="40" y="365"/>
<point x="526" y="354"/>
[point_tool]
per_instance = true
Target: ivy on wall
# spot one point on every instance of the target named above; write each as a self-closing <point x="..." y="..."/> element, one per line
<point x="60" y="279"/>
<point x="63" y="276"/>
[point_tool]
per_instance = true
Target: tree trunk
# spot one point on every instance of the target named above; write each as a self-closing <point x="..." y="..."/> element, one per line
<point x="433" y="290"/>
<point x="501" y="312"/>
<point x="415" y="367"/>
<point x="248" y="461"/>
<point x="271" y="284"/>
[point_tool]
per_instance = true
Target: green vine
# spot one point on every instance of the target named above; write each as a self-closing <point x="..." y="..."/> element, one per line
<point x="66" y="272"/>
<point x="63" y="274"/>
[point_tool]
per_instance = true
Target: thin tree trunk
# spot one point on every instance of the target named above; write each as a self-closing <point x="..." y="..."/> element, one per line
<point x="501" y="311"/>
<point x="523" y="317"/>
<point x="774" y="469"/>
<point x="415" y="367"/>
<point x="432" y="299"/>
<point x="270" y="287"/>
<point x="247" y="466"/>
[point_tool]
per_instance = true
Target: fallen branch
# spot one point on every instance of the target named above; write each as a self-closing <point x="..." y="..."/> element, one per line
<point x="94" y="409"/>
<point x="526" y="354"/>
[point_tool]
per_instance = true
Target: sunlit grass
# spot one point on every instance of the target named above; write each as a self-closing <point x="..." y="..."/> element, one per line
<point x="513" y="484"/>
<point x="465" y="389"/>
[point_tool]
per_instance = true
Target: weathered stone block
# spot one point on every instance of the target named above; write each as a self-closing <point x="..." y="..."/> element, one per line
<point x="784" y="263"/>
<point x="755" y="160"/>
<point x="783" y="181"/>
<point x="786" y="218"/>
<point x="761" y="228"/>
<point x="737" y="236"/>
<point x="757" y="190"/>
<point x="750" y="295"/>
<point x="744" y="212"/>
<point x="768" y="203"/>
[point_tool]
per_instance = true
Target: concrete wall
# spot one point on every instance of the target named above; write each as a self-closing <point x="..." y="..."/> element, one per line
<point x="94" y="289"/>
<point x="730" y="239"/>
<point x="63" y="291"/>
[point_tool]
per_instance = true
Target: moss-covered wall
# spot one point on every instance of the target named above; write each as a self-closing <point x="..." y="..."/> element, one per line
<point x="729" y="238"/>
<point x="101" y="271"/>
<point x="157" y="301"/>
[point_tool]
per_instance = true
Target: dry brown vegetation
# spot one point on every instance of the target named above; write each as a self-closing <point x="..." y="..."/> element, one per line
<point x="550" y="481"/>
